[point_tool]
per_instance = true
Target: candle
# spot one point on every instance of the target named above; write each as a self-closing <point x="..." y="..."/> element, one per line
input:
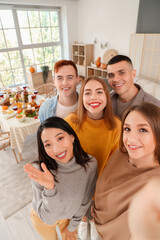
<point x="29" y="98"/>
<point x="11" y="100"/>
<point x="29" y="107"/>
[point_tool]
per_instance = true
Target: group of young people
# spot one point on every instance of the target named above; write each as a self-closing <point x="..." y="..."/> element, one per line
<point x="95" y="152"/>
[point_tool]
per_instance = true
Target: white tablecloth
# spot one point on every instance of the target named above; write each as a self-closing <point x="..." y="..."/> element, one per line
<point x="19" y="130"/>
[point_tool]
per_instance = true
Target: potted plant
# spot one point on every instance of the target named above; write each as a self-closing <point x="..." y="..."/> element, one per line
<point x="45" y="71"/>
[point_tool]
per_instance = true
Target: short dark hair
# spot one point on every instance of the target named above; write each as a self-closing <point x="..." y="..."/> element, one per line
<point x="152" y="114"/>
<point x="119" y="58"/>
<point x="62" y="63"/>
<point x="56" y="122"/>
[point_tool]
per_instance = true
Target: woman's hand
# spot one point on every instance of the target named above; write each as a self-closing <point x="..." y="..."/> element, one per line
<point x="67" y="235"/>
<point x="45" y="178"/>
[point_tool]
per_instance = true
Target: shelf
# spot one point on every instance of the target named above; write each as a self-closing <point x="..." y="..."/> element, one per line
<point x="82" y="56"/>
<point x="98" y="72"/>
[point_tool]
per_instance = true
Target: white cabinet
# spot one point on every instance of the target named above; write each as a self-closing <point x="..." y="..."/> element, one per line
<point x="98" y="72"/>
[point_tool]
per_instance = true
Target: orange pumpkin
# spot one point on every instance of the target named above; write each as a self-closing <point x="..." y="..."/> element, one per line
<point x="4" y="107"/>
<point x="98" y="62"/>
<point x="32" y="69"/>
<point x="103" y="65"/>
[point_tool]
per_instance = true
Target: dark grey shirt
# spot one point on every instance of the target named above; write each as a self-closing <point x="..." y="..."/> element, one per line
<point x="142" y="96"/>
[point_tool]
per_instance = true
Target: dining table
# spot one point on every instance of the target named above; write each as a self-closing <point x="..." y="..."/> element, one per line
<point x="19" y="130"/>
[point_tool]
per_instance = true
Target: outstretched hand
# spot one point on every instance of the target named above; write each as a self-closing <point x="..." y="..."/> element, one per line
<point x="67" y="235"/>
<point x="45" y="178"/>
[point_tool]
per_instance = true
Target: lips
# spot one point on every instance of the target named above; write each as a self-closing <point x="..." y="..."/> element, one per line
<point x="134" y="147"/>
<point x="61" y="155"/>
<point x="94" y="104"/>
<point x="66" y="88"/>
<point x="118" y="85"/>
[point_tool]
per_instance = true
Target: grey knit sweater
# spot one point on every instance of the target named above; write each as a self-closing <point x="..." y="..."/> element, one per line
<point x="71" y="196"/>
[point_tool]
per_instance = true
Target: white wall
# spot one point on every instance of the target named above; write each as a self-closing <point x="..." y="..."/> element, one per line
<point x="69" y="18"/>
<point x="84" y="20"/>
<point x="107" y="20"/>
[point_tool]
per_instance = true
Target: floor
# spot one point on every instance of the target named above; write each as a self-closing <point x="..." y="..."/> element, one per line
<point x="18" y="226"/>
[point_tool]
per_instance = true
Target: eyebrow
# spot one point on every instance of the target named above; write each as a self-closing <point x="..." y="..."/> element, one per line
<point x="55" y="137"/>
<point x="139" y="125"/>
<point x="88" y="89"/>
<point x="70" y="75"/>
<point x="117" y="71"/>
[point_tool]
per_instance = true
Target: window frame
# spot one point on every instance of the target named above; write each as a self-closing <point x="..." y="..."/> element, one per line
<point x="21" y="46"/>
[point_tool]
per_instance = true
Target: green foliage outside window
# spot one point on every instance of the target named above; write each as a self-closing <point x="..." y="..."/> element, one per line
<point x="40" y="43"/>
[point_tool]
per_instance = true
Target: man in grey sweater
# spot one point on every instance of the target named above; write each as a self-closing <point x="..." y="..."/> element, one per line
<point x="121" y="79"/>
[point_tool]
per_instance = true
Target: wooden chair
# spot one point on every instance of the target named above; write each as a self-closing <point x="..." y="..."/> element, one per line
<point x="48" y="90"/>
<point x="5" y="142"/>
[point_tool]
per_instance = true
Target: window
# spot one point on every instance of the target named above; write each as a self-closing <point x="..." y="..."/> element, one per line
<point x="28" y="36"/>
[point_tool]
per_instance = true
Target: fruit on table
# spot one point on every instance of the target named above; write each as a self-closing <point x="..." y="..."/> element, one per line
<point x="19" y="110"/>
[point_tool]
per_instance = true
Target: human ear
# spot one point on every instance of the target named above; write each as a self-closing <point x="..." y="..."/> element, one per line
<point x="72" y="138"/>
<point x="134" y="73"/>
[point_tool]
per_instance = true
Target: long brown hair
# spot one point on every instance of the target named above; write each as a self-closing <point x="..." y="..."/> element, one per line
<point x="109" y="117"/>
<point x="152" y="115"/>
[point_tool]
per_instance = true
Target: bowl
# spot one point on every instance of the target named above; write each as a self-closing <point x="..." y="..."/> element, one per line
<point x="21" y="117"/>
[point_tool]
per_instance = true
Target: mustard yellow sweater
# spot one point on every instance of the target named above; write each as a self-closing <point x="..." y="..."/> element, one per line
<point x="96" y="139"/>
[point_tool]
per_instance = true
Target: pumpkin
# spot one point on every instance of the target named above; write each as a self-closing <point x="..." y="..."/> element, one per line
<point x="103" y="65"/>
<point x="98" y="62"/>
<point x="32" y="69"/>
<point x="4" y="107"/>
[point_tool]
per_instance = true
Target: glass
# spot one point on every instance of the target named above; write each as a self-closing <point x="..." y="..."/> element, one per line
<point x="34" y="97"/>
<point x="15" y="108"/>
<point x="35" y="92"/>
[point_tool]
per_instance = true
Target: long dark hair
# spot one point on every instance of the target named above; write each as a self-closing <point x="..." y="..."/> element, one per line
<point x="81" y="156"/>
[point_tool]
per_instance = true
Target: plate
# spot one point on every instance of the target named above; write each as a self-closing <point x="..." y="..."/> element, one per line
<point x="7" y="116"/>
<point x="109" y="54"/>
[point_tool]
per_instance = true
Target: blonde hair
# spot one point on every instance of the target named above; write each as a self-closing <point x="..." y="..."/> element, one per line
<point x="109" y="117"/>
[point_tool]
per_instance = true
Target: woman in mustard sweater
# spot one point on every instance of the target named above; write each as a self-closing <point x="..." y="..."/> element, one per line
<point x="95" y="124"/>
<point x="98" y="130"/>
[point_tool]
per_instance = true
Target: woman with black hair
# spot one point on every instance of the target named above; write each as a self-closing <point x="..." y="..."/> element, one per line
<point x="63" y="180"/>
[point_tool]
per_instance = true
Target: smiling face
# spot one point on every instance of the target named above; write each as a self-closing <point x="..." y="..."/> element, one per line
<point x="121" y="78"/>
<point x="58" y="144"/>
<point x="139" y="140"/>
<point x="94" y="99"/>
<point x="66" y="81"/>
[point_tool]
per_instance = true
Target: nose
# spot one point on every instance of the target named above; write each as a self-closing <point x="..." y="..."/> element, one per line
<point x="93" y="96"/>
<point x="132" y="138"/>
<point x="56" y="148"/>
<point x="65" y="81"/>
<point x="116" y="78"/>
